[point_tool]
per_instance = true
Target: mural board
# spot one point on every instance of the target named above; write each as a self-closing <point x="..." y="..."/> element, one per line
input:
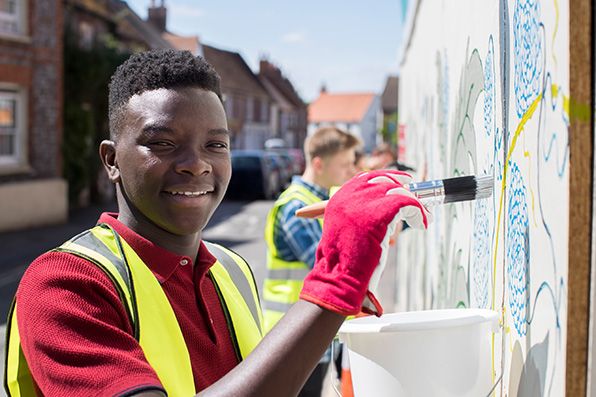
<point x="484" y="90"/>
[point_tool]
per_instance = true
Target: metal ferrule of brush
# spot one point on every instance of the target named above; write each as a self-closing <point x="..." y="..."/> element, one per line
<point x="428" y="192"/>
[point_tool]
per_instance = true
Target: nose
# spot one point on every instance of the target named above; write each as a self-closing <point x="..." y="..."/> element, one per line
<point x="192" y="162"/>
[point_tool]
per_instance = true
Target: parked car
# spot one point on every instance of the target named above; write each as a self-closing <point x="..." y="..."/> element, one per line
<point x="284" y="165"/>
<point x="255" y="175"/>
<point x="293" y="156"/>
<point x="298" y="161"/>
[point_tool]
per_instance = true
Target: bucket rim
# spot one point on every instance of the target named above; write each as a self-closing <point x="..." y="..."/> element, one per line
<point x="421" y="320"/>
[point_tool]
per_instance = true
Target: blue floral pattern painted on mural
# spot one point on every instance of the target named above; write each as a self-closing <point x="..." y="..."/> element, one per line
<point x="527" y="47"/>
<point x="489" y="90"/>
<point x="482" y="253"/>
<point x="516" y="241"/>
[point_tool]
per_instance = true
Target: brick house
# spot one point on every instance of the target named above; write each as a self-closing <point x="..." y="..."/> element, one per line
<point x="288" y="111"/>
<point x="32" y="191"/>
<point x="246" y="101"/>
<point x="97" y="20"/>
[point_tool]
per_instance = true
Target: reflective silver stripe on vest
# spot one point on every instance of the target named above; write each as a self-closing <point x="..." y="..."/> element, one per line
<point x="287" y="274"/>
<point x="277" y="306"/>
<point x="88" y="240"/>
<point x="237" y="276"/>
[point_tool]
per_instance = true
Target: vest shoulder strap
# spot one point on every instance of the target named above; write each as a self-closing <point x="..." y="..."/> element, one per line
<point x="111" y="260"/>
<point x="297" y="192"/>
<point x="238" y="276"/>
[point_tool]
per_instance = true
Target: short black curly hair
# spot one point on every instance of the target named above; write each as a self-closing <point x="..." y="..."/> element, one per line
<point x="151" y="70"/>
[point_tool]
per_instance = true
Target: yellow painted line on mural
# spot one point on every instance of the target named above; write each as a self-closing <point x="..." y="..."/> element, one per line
<point x="554" y="91"/>
<point x="518" y="131"/>
<point x="529" y="157"/>
<point x="516" y="135"/>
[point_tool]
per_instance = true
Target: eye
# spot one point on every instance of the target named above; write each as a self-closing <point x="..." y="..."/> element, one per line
<point x="160" y="144"/>
<point x="218" y="145"/>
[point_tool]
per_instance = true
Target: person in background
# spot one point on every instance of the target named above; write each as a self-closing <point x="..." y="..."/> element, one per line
<point x="384" y="157"/>
<point x="381" y="157"/>
<point x="292" y="241"/>
<point x="360" y="161"/>
<point x="140" y="305"/>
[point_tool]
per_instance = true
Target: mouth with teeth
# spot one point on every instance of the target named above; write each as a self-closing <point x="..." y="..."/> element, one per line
<point x="188" y="194"/>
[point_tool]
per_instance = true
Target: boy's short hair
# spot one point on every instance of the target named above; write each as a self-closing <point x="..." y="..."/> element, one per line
<point x="156" y="69"/>
<point x="328" y="141"/>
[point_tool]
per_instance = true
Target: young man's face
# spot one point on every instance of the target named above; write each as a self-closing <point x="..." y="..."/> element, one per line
<point x="173" y="156"/>
<point x="338" y="168"/>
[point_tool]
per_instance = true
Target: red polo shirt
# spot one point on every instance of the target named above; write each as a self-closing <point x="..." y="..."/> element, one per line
<point x="76" y="335"/>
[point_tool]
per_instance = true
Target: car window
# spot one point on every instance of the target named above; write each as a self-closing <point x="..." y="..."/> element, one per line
<point x="246" y="162"/>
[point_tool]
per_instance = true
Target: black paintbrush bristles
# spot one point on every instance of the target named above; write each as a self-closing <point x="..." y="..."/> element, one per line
<point x="462" y="188"/>
<point x="465" y="188"/>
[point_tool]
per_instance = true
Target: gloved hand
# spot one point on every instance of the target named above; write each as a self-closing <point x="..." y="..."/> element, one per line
<point x="359" y="220"/>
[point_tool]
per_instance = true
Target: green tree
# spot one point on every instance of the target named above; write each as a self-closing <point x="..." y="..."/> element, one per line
<point x="87" y="73"/>
<point x="389" y="131"/>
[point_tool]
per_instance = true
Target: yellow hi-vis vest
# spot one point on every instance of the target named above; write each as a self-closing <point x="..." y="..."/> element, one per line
<point x="281" y="288"/>
<point x="154" y="322"/>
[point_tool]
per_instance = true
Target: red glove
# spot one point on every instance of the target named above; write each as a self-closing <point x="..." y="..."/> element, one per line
<point x="357" y="221"/>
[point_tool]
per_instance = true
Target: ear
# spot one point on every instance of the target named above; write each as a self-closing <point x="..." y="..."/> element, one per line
<point x="107" y="154"/>
<point x="317" y="164"/>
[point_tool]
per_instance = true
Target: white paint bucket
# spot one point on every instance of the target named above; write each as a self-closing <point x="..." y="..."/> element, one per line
<point x="424" y="353"/>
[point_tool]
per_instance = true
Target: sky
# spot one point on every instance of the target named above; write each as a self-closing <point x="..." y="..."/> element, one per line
<point x="348" y="45"/>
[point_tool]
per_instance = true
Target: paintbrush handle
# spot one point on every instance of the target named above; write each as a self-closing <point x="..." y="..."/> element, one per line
<point x="316" y="210"/>
<point x="430" y="193"/>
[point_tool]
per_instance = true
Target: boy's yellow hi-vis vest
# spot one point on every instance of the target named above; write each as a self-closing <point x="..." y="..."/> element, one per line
<point x="154" y="322"/>
<point x="284" y="280"/>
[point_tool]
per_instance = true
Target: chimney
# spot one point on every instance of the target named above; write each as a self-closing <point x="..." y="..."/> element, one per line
<point x="263" y="66"/>
<point x="157" y="16"/>
<point x="323" y="88"/>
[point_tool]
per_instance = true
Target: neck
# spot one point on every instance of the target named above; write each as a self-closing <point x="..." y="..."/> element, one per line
<point x="187" y="245"/>
<point x="310" y="176"/>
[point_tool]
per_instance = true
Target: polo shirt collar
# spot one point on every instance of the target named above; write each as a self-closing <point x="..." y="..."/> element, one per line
<point x="160" y="261"/>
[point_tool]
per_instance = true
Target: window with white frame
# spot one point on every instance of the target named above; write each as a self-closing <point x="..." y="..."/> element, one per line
<point x="12" y="127"/>
<point x="12" y="17"/>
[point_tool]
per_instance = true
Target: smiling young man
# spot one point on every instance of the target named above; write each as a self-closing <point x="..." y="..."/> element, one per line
<point x="140" y="304"/>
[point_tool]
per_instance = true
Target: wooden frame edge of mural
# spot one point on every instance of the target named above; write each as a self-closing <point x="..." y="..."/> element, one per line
<point x="581" y="58"/>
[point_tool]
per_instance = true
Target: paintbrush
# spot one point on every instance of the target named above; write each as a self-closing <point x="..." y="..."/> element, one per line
<point x="440" y="191"/>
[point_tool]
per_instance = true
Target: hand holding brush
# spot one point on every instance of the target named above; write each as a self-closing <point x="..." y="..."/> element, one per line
<point x="440" y="191"/>
<point x="359" y="220"/>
